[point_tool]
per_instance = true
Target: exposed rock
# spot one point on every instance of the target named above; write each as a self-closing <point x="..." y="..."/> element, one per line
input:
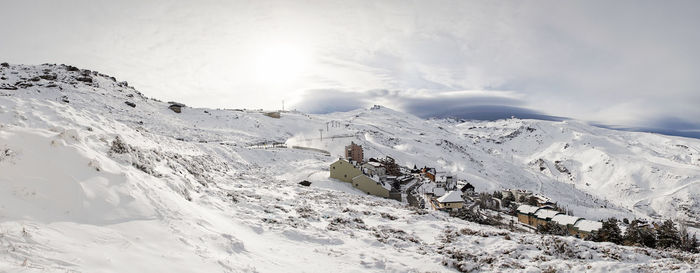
<point x="7" y="86"/>
<point x="272" y="114"/>
<point x="5" y="65"/>
<point x="49" y="77"/>
<point x="133" y="105"/>
<point x="84" y="79"/>
<point x="305" y="183"/>
<point x="72" y="68"/>
<point x="23" y="84"/>
<point x="176" y="107"/>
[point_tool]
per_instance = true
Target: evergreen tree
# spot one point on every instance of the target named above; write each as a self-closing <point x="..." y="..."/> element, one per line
<point x="687" y="243"/>
<point x="609" y="232"/>
<point x="507" y="201"/>
<point x="638" y="234"/>
<point x="498" y="194"/>
<point x="694" y="245"/>
<point x="667" y="235"/>
<point x="532" y="201"/>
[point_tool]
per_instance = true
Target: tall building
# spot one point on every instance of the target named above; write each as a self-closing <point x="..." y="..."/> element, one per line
<point x="354" y="152"/>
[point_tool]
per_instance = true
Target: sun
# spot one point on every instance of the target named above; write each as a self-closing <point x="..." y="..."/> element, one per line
<point x="281" y="65"/>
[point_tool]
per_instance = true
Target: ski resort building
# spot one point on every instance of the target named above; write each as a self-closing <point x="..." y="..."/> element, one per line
<point x="354" y="152"/>
<point x="352" y="172"/>
<point x="387" y="179"/>
<point x="445" y="181"/>
<point x="450" y="201"/>
<point x="429" y="173"/>
<point x="467" y="188"/>
<point x="345" y="170"/>
<point x="585" y="227"/>
<point x="566" y="221"/>
<point x="517" y="194"/>
<point x="544" y="216"/>
<point x="371" y="185"/>
<point x="374" y="168"/>
<point x="526" y="214"/>
<point x="536" y="216"/>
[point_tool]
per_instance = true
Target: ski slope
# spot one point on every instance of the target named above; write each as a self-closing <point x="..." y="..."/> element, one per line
<point x="91" y="184"/>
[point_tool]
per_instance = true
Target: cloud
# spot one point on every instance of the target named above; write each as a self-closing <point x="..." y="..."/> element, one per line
<point x="476" y="104"/>
<point x="624" y="63"/>
<point x="470" y="105"/>
<point x="323" y="101"/>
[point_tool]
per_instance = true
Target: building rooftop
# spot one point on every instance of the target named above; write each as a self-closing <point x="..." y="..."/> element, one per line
<point x="451" y="197"/>
<point x="438" y="191"/>
<point x="527" y="209"/>
<point x="564" y="219"/>
<point x="546" y="213"/>
<point x="375" y="164"/>
<point x="588" y="225"/>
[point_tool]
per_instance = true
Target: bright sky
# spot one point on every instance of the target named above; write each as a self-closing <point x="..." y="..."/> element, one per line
<point x="627" y="63"/>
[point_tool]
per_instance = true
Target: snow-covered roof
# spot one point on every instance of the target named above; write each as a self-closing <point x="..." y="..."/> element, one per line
<point x="546" y="213"/>
<point x="564" y="219"/>
<point x="387" y="186"/>
<point x="588" y="225"/>
<point x="451" y="197"/>
<point x="542" y="198"/>
<point x="527" y="209"/>
<point x="439" y="191"/>
<point x="375" y="164"/>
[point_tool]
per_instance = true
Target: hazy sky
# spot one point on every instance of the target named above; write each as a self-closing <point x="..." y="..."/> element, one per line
<point x="628" y="63"/>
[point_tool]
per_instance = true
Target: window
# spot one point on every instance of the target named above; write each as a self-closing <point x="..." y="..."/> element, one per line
<point x="345" y="175"/>
<point x="334" y="167"/>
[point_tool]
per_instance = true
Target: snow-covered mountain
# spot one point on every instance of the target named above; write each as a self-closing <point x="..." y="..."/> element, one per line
<point x="96" y="177"/>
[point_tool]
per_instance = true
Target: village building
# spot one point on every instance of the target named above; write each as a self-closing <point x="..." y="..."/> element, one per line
<point x="526" y="214"/>
<point x="405" y="179"/>
<point x="371" y="185"/>
<point x="517" y="194"/>
<point x="544" y="216"/>
<point x="345" y="170"/>
<point x="450" y="201"/>
<point x="542" y="200"/>
<point x="467" y="188"/>
<point x="429" y="173"/>
<point x="584" y="227"/>
<point x="566" y="221"/>
<point x="374" y="168"/>
<point x="354" y="152"/>
<point x="445" y="181"/>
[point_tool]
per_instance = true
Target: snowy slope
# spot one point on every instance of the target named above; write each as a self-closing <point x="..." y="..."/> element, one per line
<point x="89" y="183"/>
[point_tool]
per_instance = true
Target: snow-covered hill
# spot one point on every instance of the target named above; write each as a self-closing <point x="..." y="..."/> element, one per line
<point x="96" y="177"/>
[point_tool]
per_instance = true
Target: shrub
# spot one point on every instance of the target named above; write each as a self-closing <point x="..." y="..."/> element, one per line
<point x="553" y="229"/>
